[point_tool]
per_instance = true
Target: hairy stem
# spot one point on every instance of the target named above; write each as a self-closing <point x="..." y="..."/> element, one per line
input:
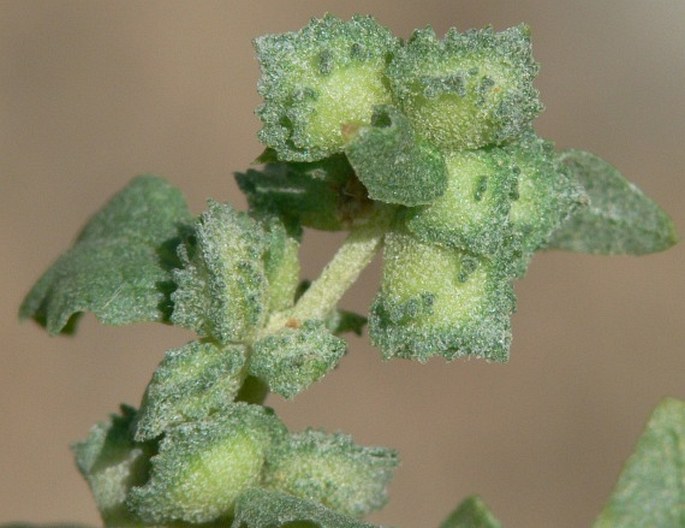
<point x="356" y="252"/>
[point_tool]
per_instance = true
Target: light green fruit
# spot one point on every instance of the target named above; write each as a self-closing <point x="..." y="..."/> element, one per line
<point x="319" y="82"/>
<point x="472" y="214"/>
<point x="202" y="467"/>
<point x="468" y="90"/>
<point x="436" y="301"/>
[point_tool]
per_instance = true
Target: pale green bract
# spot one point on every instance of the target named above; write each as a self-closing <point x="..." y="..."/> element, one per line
<point x="471" y="513"/>
<point x="331" y="470"/>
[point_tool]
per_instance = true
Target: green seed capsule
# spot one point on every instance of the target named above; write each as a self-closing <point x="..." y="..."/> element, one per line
<point x="472" y="214"/>
<point x="458" y="306"/>
<point x="319" y="81"/>
<point x="202" y="467"/>
<point x="468" y="90"/>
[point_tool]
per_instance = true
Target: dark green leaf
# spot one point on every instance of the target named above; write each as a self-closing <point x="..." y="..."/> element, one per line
<point x="222" y="288"/>
<point x="259" y="508"/>
<point x="471" y="513"/>
<point x="651" y="488"/>
<point x="295" y="357"/>
<point x="119" y="267"/>
<point x="342" y="321"/>
<point x="191" y="383"/>
<point x="332" y="470"/>
<point x="394" y="166"/>
<point x="323" y="195"/>
<point x="620" y="218"/>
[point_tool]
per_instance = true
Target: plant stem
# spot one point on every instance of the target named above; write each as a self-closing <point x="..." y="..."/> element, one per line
<point x="356" y="252"/>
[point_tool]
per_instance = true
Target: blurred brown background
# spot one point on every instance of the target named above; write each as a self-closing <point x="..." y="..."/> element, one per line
<point x="92" y="93"/>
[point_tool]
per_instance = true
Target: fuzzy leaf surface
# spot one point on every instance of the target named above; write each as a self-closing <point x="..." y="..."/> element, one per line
<point x="294" y="358"/>
<point x="471" y="513"/>
<point x="458" y="306"/>
<point x="469" y="89"/>
<point x="192" y="382"/>
<point x="620" y="218"/>
<point x="113" y="463"/>
<point x="259" y="508"/>
<point x="651" y="488"/>
<point x="202" y="467"/>
<point x="319" y="80"/>
<point x="332" y="470"/>
<point x="393" y="164"/>
<point x="222" y="287"/>
<point x="119" y="266"/>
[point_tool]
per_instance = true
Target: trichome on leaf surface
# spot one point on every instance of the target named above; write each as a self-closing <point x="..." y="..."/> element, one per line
<point x="423" y="150"/>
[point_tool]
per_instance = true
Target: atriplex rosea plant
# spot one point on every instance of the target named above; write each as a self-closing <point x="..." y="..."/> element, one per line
<point x="423" y="149"/>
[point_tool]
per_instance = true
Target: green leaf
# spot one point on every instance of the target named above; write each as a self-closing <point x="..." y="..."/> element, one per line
<point x="471" y="513"/>
<point x="323" y="195"/>
<point x="222" y="288"/>
<point x="332" y="470"/>
<point x="473" y="213"/>
<point x="119" y="267"/>
<point x="202" y="467"/>
<point x="468" y="90"/>
<point x="651" y="488"/>
<point x="295" y="357"/>
<point x="394" y="166"/>
<point x="191" y="383"/>
<point x="259" y="508"/>
<point x="318" y="81"/>
<point x="620" y="218"/>
<point x="458" y="306"/>
<point x="113" y="463"/>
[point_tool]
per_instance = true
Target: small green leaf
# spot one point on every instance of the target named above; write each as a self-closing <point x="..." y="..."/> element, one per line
<point x="473" y="212"/>
<point x="191" y="383"/>
<point x="222" y="288"/>
<point x="620" y="218"/>
<point x="202" y="467"/>
<point x="323" y="195"/>
<point x="468" y="90"/>
<point x="320" y="80"/>
<point x="394" y="166"/>
<point x="651" y="488"/>
<point x="471" y="513"/>
<point x="295" y="357"/>
<point x="259" y="508"/>
<point x="457" y="306"/>
<point x="332" y="470"/>
<point x="119" y="267"/>
<point x="113" y="463"/>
